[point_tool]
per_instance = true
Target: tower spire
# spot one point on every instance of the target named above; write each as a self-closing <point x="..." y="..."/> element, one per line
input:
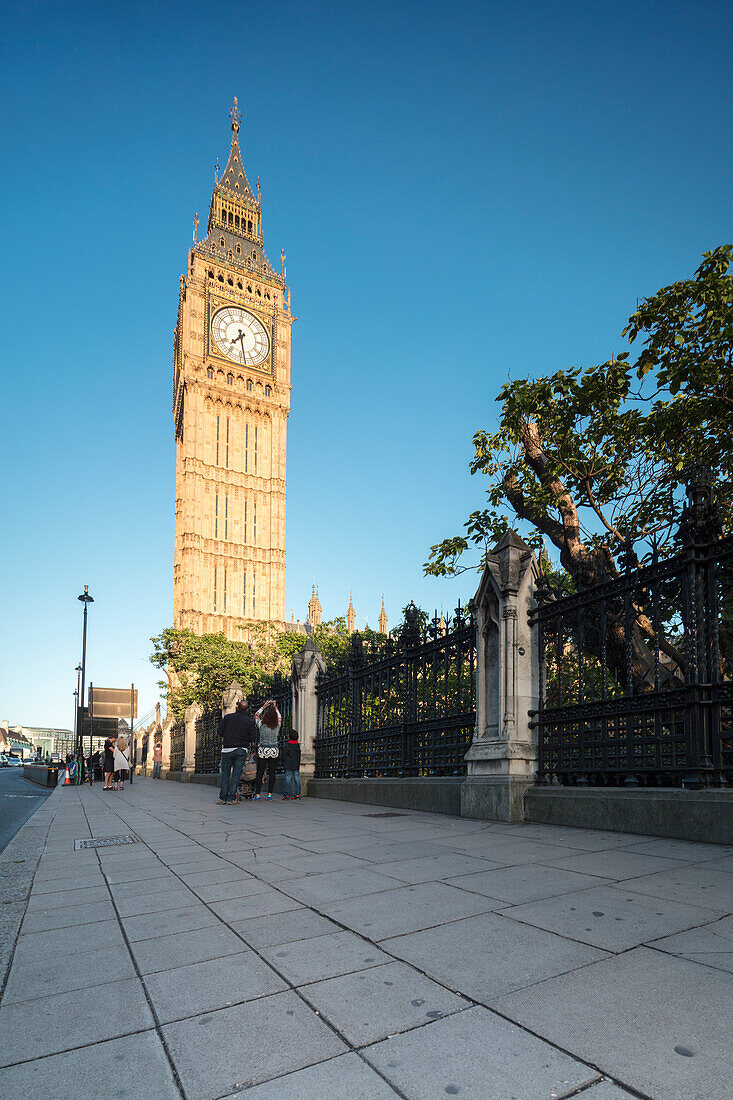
<point x="351" y="615"/>
<point x="382" y="619"/>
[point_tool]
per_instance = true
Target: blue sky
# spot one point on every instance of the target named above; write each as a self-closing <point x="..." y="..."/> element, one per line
<point x="463" y="193"/>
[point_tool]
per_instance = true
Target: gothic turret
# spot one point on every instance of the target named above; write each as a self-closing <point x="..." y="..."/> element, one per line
<point x="382" y="619"/>
<point x="350" y="616"/>
<point x="314" y="609"/>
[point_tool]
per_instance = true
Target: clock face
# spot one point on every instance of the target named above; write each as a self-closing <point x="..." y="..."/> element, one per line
<point x="240" y="336"/>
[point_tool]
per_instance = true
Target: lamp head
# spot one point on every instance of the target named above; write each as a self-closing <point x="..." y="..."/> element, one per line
<point x="85" y="597"/>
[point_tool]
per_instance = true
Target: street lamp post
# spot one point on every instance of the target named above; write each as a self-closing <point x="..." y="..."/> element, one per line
<point x="77" y="670"/>
<point x="86" y="599"/>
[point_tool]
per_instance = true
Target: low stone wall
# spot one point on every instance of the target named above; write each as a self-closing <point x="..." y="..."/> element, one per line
<point x="651" y="811"/>
<point x="437" y="796"/>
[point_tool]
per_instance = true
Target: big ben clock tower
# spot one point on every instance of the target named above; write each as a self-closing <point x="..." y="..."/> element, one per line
<point x="231" y="401"/>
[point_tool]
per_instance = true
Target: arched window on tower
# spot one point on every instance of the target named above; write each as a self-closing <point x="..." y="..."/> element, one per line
<point x="209" y="372"/>
<point x="268" y="391"/>
<point x="231" y="218"/>
<point x="236" y="221"/>
<point x="249" y="384"/>
<point x="249" y="226"/>
<point x="230" y="379"/>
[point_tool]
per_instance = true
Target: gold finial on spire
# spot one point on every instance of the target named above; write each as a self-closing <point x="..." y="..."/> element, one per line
<point x="282" y="262"/>
<point x="258" y="189"/>
<point x="195" y="226"/>
<point x="216" y="171"/>
<point x="235" y="114"/>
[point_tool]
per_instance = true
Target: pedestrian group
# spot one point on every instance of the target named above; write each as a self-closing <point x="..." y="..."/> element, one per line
<point x="250" y="749"/>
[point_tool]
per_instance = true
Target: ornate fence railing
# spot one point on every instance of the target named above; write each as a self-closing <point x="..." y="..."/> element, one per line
<point x="636" y="670"/>
<point x="144" y="750"/>
<point x="402" y="708"/>
<point x="178" y="746"/>
<point x="207" y="755"/>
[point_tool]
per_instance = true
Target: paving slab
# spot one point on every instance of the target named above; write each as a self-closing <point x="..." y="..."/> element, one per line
<point x="34" y="1028"/>
<point x="40" y="920"/>
<point x="236" y="1047"/>
<point x="344" y="1077"/>
<point x="205" y="986"/>
<point x="263" y="904"/>
<point x="589" y="840"/>
<point x="135" y="1067"/>
<point x="162" y="882"/>
<point x="323" y="957"/>
<point x="712" y="944"/>
<point x="168" y="952"/>
<point x="381" y="1001"/>
<point x="56" y="943"/>
<point x="297" y="924"/>
<point x="606" y="1090"/>
<point x="224" y="872"/>
<point x="321" y="862"/>
<point x="615" y="863"/>
<point x="236" y="888"/>
<point x="60" y="899"/>
<point x="611" y="917"/>
<point x="435" y="868"/>
<point x="148" y="926"/>
<point x="657" y="1023"/>
<point x="529" y="882"/>
<point x="318" y="889"/>
<point x="175" y="897"/>
<point x="504" y="849"/>
<point x="485" y="956"/>
<point x="478" y="1056"/>
<point x="689" y="851"/>
<point x="407" y="909"/>
<point x="697" y="885"/>
<point x="67" y="882"/>
<point x="43" y="976"/>
<point x="142" y="873"/>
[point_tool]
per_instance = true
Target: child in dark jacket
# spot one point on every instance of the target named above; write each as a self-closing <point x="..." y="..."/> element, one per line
<point x="291" y="760"/>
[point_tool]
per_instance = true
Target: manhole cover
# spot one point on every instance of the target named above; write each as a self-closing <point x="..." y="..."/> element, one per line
<point x="103" y="842"/>
<point x="384" y="815"/>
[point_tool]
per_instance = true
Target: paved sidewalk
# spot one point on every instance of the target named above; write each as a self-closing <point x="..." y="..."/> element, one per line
<point x="325" y="950"/>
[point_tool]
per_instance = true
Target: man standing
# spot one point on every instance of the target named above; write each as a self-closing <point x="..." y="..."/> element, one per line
<point x="238" y="732"/>
<point x="157" y="759"/>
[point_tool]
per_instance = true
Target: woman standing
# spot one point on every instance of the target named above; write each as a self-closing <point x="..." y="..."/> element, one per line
<point x="121" y="762"/>
<point x="109" y="762"/>
<point x="268" y="720"/>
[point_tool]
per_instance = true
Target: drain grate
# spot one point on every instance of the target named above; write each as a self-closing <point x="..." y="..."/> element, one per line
<point x="103" y="842"/>
<point x="384" y="815"/>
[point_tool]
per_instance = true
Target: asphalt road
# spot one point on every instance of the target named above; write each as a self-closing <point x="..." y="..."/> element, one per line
<point x="19" y="798"/>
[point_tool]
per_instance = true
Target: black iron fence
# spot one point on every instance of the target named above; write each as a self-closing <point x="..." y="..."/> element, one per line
<point x="636" y="670"/>
<point x="178" y="746"/>
<point x="403" y="707"/>
<point x="208" y="741"/>
<point x="144" y="750"/>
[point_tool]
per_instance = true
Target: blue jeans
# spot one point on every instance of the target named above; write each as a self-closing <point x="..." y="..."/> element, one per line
<point x="293" y="776"/>
<point x="156" y="769"/>
<point x="231" y="769"/>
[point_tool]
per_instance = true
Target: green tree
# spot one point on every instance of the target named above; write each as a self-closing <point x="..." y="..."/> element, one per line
<point x="594" y="461"/>
<point x="199" y="667"/>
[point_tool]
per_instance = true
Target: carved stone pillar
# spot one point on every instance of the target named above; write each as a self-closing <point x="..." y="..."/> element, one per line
<point x="165" y="763"/>
<point x="231" y="697"/>
<point x="502" y="759"/>
<point x="191" y="716"/>
<point x="306" y="665"/>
